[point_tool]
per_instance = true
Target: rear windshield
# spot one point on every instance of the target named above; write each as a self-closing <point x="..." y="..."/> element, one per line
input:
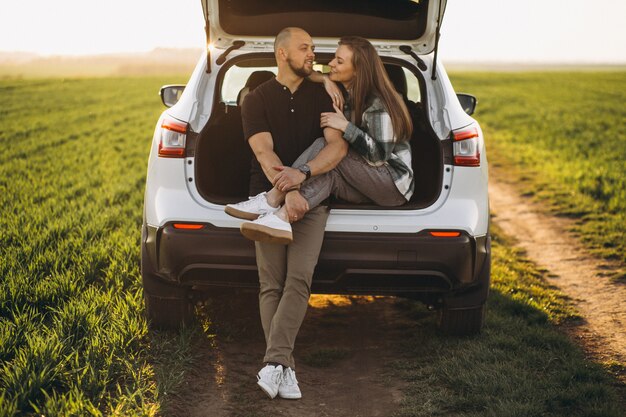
<point x="374" y="19"/>
<point x="389" y="9"/>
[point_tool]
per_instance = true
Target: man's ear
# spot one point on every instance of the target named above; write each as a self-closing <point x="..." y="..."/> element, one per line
<point x="282" y="53"/>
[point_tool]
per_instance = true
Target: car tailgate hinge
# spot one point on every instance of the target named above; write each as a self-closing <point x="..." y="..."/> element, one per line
<point x="409" y="51"/>
<point x="222" y="58"/>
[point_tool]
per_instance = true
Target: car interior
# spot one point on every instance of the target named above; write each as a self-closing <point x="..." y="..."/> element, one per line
<point x="223" y="156"/>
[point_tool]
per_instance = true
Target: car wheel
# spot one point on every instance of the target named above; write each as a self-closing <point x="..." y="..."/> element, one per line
<point x="168" y="306"/>
<point x="462" y="322"/>
<point x="464" y="315"/>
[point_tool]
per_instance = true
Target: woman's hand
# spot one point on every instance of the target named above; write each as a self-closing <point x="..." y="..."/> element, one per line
<point x="333" y="91"/>
<point x="330" y="86"/>
<point x="296" y="206"/>
<point x="334" y="120"/>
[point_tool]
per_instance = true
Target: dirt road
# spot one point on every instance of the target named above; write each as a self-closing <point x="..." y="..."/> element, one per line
<point x="348" y="341"/>
<point x="571" y="268"/>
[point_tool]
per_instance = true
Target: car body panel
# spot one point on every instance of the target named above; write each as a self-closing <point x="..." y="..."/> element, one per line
<point x="463" y="211"/>
<point x="221" y="256"/>
<point x="454" y="113"/>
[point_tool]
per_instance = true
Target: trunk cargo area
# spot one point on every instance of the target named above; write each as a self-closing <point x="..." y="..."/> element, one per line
<point x="223" y="156"/>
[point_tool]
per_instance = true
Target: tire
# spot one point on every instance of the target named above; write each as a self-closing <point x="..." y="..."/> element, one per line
<point x="168" y="306"/>
<point x="462" y="322"/>
<point x="464" y="315"/>
<point x="168" y="312"/>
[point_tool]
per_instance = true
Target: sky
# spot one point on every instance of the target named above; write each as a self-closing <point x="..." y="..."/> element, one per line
<point x="531" y="31"/>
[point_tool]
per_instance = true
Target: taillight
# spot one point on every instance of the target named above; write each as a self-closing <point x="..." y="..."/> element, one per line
<point x="465" y="147"/>
<point x="173" y="135"/>
<point x="188" y="226"/>
<point x="445" y="234"/>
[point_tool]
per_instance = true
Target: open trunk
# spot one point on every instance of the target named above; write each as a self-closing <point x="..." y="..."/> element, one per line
<point x="223" y="156"/>
<point x="398" y="22"/>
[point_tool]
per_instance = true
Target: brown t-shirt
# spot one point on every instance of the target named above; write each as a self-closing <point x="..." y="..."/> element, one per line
<point x="293" y="120"/>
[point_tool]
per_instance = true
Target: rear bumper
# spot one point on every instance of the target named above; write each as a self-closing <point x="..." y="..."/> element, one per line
<point x="406" y="264"/>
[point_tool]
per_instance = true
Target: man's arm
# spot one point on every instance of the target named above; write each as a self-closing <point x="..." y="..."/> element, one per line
<point x="335" y="150"/>
<point x="262" y="145"/>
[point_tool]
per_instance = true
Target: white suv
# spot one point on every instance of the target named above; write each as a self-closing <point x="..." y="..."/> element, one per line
<point x="435" y="248"/>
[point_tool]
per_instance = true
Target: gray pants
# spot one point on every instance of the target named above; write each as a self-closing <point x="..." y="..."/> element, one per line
<point x="352" y="180"/>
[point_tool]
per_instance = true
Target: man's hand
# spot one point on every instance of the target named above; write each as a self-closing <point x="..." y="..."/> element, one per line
<point x="296" y="206"/>
<point x="287" y="178"/>
<point x="334" y="120"/>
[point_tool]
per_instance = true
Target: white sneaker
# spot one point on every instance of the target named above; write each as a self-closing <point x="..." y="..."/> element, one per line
<point x="252" y="208"/>
<point x="268" y="228"/>
<point x="269" y="379"/>
<point x="288" y="388"/>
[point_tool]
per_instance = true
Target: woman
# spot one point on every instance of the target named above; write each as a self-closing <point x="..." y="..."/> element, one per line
<point x="377" y="126"/>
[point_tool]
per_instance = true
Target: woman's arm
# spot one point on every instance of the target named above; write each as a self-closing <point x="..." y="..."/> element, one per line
<point x="331" y="87"/>
<point x="375" y="141"/>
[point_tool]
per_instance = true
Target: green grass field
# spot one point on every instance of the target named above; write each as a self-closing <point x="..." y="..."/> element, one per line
<point x="519" y="366"/>
<point x="561" y="136"/>
<point x="73" y="340"/>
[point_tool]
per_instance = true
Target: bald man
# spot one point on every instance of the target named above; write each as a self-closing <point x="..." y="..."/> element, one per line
<point x="281" y="120"/>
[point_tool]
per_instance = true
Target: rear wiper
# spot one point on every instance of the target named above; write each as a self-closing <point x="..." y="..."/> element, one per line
<point x="236" y="45"/>
<point x="409" y="51"/>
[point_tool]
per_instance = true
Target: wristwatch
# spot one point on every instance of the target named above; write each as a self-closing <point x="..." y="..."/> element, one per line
<point x="306" y="170"/>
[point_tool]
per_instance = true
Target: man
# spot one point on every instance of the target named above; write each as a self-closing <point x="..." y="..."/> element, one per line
<point x="281" y="119"/>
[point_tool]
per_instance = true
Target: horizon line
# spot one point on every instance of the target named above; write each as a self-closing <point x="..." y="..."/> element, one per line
<point x="448" y="61"/>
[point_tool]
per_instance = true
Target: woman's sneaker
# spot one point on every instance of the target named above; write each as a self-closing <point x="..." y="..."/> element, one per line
<point x="268" y="228"/>
<point x="288" y="388"/>
<point x="269" y="379"/>
<point x="252" y="208"/>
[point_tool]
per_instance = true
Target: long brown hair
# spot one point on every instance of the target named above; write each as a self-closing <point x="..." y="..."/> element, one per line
<point x="371" y="79"/>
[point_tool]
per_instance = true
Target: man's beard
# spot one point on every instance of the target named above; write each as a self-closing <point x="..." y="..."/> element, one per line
<point x="301" y="72"/>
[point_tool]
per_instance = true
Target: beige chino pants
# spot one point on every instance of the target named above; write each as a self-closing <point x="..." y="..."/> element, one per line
<point x="285" y="274"/>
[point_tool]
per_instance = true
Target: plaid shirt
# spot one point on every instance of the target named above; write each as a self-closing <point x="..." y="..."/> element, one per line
<point x="375" y="141"/>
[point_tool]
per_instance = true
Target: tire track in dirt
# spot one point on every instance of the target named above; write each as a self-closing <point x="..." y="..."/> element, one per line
<point x="578" y="274"/>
